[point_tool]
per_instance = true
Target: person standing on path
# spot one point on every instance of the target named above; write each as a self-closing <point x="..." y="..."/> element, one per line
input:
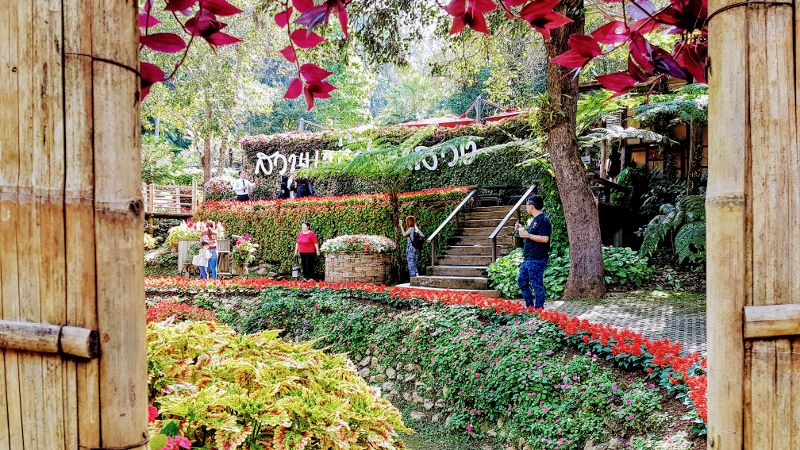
<point x="536" y="252"/>
<point x="210" y="236"/>
<point x="308" y="247"/>
<point x="409" y="231"/>
<point x="242" y="188"/>
<point x="202" y="261"/>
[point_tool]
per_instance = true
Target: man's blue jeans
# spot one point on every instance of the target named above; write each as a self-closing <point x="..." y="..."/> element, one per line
<point x="212" y="264"/>
<point x="531" y="275"/>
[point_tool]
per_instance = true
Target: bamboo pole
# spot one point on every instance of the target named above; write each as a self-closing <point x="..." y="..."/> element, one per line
<point x="725" y="210"/>
<point x="753" y="206"/>
<point x="46" y="338"/>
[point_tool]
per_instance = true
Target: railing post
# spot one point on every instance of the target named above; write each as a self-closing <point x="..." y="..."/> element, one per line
<point x="494" y="249"/>
<point x="434" y="259"/>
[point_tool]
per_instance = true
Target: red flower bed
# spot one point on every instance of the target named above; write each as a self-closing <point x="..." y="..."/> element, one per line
<point x="164" y="310"/>
<point x="662" y="359"/>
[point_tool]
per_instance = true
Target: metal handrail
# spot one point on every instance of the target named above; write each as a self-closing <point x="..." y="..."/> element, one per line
<point x="503" y="222"/>
<point x="432" y="237"/>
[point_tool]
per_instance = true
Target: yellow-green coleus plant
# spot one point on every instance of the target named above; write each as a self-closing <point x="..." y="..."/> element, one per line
<point x="224" y="390"/>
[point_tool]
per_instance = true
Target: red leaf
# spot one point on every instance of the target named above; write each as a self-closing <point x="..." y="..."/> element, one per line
<point x="541" y="16"/>
<point x="619" y="82"/>
<point x="282" y="18"/>
<point x="147" y="21"/>
<point x="645" y="26"/>
<point x="612" y="33"/>
<point x="309" y="99"/>
<point x="151" y="74"/>
<point x="469" y="13"/>
<point x="458" y="24"/>
<point x="220" y="38"/>
<point x="343" y="21"/>
<point x="294" y="90"/>
<point x="514" y="3"/>
<point x="179" y="5"/>
<point x="303" y="5"/>
<point x="306" y="39"/>
<point x="571" y="59"/>
<point x="313" y="72"/>
<point x="314" y="16"/>
<point x="641" y="52"/>
<point x="693" y="59"/>
<point x="289" y="54"/>
<point x="163" y="42"/>
<point x="219" y="7"/>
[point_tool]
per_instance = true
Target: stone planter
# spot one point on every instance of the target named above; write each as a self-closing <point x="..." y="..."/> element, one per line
<point x="358" y="267"/>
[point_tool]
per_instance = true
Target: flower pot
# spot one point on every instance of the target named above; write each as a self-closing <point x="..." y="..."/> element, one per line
<point x="358" y="267"/>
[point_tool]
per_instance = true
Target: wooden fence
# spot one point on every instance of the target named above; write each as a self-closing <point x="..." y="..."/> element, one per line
<point x="753" y="208"/>
<point x="171" y="201"/>
<point x="71" y="219"/>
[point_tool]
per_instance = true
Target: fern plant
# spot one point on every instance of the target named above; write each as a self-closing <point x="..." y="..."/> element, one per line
<point x="685" y="222"/>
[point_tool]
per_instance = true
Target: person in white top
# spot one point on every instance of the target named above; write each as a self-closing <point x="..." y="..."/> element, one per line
<point x="242" y="188"/>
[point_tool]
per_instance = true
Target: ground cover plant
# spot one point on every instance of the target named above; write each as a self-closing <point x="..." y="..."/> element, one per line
<point x="623" y="267"/>
<point x="297" y="305"/>
<point x="218" y="389"/>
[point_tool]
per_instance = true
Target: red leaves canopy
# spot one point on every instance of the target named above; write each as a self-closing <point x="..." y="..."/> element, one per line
<point x="311" y="83"/>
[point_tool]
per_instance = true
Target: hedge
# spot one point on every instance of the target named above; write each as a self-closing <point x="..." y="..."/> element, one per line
<point x="274" y="225"/>
<point x="497" y="168"/>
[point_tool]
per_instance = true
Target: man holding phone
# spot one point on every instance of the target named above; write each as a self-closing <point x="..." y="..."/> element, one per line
<point x="536" y="252"/>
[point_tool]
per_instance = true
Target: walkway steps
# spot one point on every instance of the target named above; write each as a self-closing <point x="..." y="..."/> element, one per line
<point x="457" y="271"/>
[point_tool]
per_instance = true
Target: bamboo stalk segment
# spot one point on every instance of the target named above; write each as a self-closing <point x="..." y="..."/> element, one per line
<point x="46" y="338"/>
<point x="771" y="321"/>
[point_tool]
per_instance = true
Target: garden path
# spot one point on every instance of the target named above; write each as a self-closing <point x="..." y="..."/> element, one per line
<point x="676" y="316"/>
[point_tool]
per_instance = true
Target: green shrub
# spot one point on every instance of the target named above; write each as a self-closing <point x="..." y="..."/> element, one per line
<point x="513" y="377"/>
<point x="274" y="225"/>
<point x="685" y="223"/>
<point x="623" y="267"/>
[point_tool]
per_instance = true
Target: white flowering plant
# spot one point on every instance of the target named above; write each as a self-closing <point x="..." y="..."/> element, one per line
<point x="359" y="243"/>
<point x="189" y="230"/>
<point x="244" y="252"/>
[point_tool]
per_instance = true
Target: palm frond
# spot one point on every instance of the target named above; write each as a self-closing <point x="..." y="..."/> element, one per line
<point x="616" y="132"/>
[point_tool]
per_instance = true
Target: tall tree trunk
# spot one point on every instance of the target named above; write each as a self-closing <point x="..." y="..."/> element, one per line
<point x="205" y="159"/>
<point x="580" y="208"/>
<point x="221" y="156"/>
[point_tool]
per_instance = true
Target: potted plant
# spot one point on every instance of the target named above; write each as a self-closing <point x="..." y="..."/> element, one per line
<point x="358" y="258"/>
<point x="244" y="253"/>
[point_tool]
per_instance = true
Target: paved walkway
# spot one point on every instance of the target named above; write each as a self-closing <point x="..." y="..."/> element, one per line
<point x="655" y="314"/>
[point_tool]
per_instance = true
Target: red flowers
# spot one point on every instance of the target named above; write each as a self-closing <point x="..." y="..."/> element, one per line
<point x="582" y="49"/>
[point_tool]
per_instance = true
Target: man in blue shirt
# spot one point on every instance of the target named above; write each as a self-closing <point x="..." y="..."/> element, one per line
<point x="536" y="252"/>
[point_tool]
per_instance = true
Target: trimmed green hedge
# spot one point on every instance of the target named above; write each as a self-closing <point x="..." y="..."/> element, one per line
<point x="498" y="168"/>
<point x="274" y="225"/>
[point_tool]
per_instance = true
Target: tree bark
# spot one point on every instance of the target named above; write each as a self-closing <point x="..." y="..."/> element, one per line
<point x="580" y="207"/>
<point x="221" y="163"/>
<point x="205" y="159"/>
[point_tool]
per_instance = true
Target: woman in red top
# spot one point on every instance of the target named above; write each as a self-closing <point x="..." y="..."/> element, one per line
<point x="308" y="248"/>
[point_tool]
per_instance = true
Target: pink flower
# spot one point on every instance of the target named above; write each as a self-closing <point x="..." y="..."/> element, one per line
<point x="152" y="413"/>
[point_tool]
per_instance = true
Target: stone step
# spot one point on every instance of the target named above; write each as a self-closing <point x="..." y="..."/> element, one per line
<point x="443" y="282"/>
<point x="488" y="292"/>
<point x="484" y="215"/>
<point x="486" y="231"/>
<point x="481" y="240"/>
<point x="504" y="208"/>
<point x="478" y="223"/>
<point x="465" y="260"/>
<point x="457" y="271"/>
<point x="477" y="250"/>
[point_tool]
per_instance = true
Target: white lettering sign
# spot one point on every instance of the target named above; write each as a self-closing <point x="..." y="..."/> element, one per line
<point x="282" y="164"/>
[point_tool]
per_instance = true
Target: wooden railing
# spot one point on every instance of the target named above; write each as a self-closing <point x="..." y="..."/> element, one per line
<point x="505" y="220"/>
<point x="171" y="201"/>
<point x="432" y="238"/>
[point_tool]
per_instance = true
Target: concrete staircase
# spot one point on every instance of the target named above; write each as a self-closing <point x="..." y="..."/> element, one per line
<point x="465" y="262"/>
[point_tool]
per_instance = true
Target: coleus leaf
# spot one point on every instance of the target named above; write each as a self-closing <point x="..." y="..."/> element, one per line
<point x="693" y="58"/>
<point x="612" y="33"/>
<point x="317" y="89"/>
<point x="219" y="7"/>
<point x="282" y="18"/>
<point x="147" y="21"/>
<point x="641" y="51"/>
<point x="179" y="5"/>
<point x="305" y="39"/>
<point x="663" y="62"/>
<point x="514" y="3"/>
<point x="163" y="42"/>
<point x="151" y="74"/>
<point x="343" y="22"/>
<point x="289" y="53"/>
<point x="294" y="90"/>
